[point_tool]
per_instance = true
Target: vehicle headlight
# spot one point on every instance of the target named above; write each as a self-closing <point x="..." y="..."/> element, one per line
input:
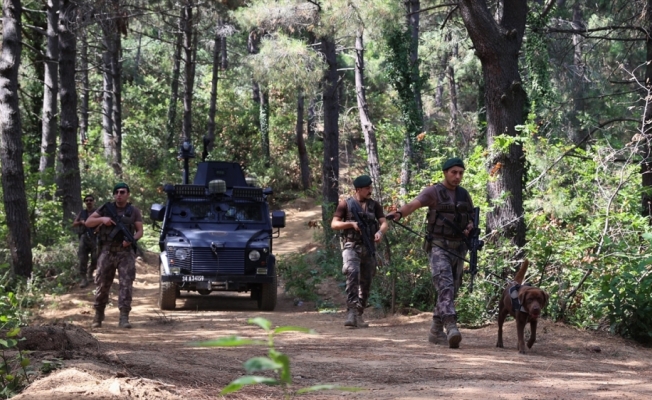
<point x="182" y="254"/>
<point x="175" y="270"/>
<point x="254" y="255"/>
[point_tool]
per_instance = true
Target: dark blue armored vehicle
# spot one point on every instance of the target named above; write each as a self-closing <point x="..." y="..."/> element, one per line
<point x="217" y="236"/>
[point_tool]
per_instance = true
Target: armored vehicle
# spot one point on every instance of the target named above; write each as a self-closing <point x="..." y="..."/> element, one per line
<point x="217" y="235"/>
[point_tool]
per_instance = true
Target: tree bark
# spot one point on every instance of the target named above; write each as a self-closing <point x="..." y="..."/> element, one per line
<point x="49" y="114"/>
<point x="186" y="25"/>
<point x="412" y="8"/>
<point x="304" y="162"/>
<point x="85" y="90"/>
<point x="368" y="128"/>
<point x="453" y="110"/>
<point x="11" y="146"/>
<point x="331" y="160"/>
<point x="116" y="72"/>
<point x="69" y="181"/>
<point x="311" y="120"/>
<point x="646" y="163"/>
<point x="174" y="90"/>
<point x="578" y="77"/>
<point x="497" y="44"/>
<point x="210" y="134"/>
<point x="263" y="115"/>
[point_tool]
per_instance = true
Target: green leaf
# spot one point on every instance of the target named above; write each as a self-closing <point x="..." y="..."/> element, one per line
<point x="256" y="364"/>
<point x="4" y="343"/>
<point x="229" y="341"/>
<point x="247" y="380"/>
<point x="282" y="329"/>
<point x="329" y="387"/>
<point x="262" y="322"/>
<point x="13" y="333"/>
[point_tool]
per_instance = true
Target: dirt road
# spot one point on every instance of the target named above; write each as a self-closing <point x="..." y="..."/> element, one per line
<point x="390" y="360"/>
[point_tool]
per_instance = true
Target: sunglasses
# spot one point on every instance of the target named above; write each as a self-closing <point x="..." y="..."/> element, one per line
<point x="122" y="191"/>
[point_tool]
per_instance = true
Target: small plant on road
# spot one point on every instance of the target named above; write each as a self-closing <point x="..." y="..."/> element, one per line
<point x="275" y="361"/>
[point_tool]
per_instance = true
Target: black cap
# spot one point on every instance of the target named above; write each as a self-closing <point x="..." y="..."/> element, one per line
<point x="453" y="162"/>
<point x="362" y="181"/>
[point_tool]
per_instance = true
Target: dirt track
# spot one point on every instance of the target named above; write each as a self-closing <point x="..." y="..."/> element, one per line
<point x="390" y="360"/>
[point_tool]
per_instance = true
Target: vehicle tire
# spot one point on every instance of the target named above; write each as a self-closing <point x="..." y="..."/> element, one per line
<point x="267" y="297"/>
<point x="167" y="295"/>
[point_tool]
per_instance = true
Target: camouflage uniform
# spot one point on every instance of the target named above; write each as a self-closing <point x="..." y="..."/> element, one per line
<point x="113" y="256"/>
<point x="447" y="271"/>
<point x="124" y="261"/>
<point x="358" y="264"/>
<point x="87" y="246"/>
<point x="359" y="267"/>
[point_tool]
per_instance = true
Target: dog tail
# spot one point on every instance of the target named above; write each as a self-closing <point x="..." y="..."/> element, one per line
<point x="520" y="275"/>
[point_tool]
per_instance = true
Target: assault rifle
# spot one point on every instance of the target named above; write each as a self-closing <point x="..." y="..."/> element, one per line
<point x="364" y="228"/>
<point x="475" y="244"/>
<point x="119" y="227"/>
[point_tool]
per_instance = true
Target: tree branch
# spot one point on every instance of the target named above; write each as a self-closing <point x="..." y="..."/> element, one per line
<point x="450" y="13"/>
<point x="547" y="8"/>
<point x="600" y="126"/>
<point x="431" y="8"/>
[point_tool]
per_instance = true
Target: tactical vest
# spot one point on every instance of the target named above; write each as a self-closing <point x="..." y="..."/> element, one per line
<point x="111" y="234"/>
<point x="368" y="216"/>
<point x="458" y="213"/>
<point x="83" y="216"/>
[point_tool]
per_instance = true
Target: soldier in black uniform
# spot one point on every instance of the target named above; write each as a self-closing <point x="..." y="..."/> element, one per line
<point x="87" y="242"/>
<point x="359" y="264"/>
<point x="450" y="220"/>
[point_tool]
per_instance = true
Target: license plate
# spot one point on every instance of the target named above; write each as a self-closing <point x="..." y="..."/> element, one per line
<point x="192" y="278"/>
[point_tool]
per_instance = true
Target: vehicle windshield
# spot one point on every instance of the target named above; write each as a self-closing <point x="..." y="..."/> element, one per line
<point x="209" y="211"/>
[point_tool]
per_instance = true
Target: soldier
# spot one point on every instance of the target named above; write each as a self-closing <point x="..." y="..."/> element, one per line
<point x="450" y="220"/>
<point x="116" y="253"/>
<point x="359" y="262"/>
<point x="87" y="242"/>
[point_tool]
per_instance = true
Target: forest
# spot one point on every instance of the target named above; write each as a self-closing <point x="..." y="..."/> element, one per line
<point x="546" y="101"/>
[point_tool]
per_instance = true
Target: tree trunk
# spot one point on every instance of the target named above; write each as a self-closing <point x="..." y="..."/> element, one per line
<point x="209" y="140"/>
<point x="116" y="72"/>
<point x="368" y="128"/>
<point x="304" y="162"/>
<point x="578" y="77"/>
<point x="497" y="45"/>
<point x="331" y="160"/>
<point x="224" y="60"/>
<point x="11" y="146"/>
<point x="453" y="110"/>
<point x="646" y="163"/>
<point x="137" y="60"/>
<point x="264" y="123"/>
<point x="108" y="131"/>
<point x="187" y="31"/>
<point x="311" y="120"/>
<point x="49" y="113"/>
<point x="69" y="181"/>
<point x="85" y="90"/>
<point x="174" y="90"/>
<point x="413" y="8"/>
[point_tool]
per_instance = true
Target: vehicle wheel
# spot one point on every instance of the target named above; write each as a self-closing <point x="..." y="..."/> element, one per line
<point x="167" y="295"/>
<point x="267" y="297"/>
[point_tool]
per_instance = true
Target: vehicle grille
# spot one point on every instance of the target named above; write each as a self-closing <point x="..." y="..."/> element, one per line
<point x="227" y="261"/>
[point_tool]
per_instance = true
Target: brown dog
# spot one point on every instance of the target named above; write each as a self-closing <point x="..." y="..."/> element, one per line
<point x="531" y="301"/>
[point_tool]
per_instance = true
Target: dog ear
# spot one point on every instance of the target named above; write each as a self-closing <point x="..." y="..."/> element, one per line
<point x="522" y="295"/>
<point x="545" y="298"/>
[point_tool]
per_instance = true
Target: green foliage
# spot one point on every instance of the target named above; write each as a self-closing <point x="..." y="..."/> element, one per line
<point x="276" y="362"/>
<point x="15" y="370"/>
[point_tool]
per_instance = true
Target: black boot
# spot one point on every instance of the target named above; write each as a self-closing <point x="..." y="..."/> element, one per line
<point x="350" y="318"/>
<point x="124" y="319"/>
<point x="359" y="321"/>
<point x="99" y="317"/>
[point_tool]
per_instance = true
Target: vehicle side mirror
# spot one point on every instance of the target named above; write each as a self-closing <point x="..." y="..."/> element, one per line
<point x="278" y="219"/>
<point x="157" y="212"/>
